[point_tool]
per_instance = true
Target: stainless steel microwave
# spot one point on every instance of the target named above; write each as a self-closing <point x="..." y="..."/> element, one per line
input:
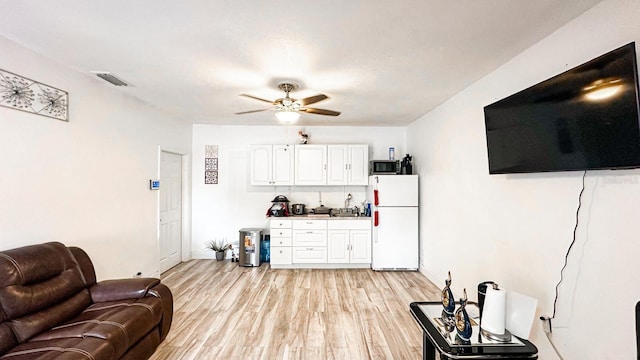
<point x="384" y="167"/>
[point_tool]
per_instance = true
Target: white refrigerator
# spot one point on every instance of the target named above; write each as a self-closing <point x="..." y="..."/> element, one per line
<point x="395" y="222"/>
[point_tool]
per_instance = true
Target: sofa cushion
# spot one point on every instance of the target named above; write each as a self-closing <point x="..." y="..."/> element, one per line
<point x="63" y="349"/>
<point x="40" y="286"/>
<point x="33" y="324"/>
<point x="35" y="263"/>
<point x="7" y="338"/>
<point x="121" y="323"/>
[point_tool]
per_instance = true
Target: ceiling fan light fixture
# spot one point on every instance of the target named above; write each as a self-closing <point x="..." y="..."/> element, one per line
<point x="287" y="116"/>
<point x="287" y="109"/>
<point x="603" y="89"/>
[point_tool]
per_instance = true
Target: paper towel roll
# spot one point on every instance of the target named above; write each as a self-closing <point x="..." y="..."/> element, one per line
<point x="494" y="312"/>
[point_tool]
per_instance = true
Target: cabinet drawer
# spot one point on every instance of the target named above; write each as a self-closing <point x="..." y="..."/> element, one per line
<point x="280" y="224"/>
<point x="310" y="224"/>
<point x="275" y="232"/>
<point x="280" y="255"/>
<point x="281" y="241"/>
<point x="309" y="255"/>
<point x="310" y="237"/>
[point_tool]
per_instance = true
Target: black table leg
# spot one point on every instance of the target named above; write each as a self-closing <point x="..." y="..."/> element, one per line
<point x="428" y="350"/>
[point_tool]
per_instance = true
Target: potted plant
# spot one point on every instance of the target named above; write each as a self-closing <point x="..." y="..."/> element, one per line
<point x="220" y="247"/>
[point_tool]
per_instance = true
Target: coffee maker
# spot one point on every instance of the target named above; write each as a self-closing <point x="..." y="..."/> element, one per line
<point x="405" y="166"/>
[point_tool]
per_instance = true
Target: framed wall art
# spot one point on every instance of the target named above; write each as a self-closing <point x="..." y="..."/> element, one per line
<point x="21" y="93"/>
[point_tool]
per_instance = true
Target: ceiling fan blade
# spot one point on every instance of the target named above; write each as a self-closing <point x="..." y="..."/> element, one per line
<point x="321" y="111"/>
<point x="312" y="99"/>
<point x="250" y="111"/>
<point x="257" y="98"/>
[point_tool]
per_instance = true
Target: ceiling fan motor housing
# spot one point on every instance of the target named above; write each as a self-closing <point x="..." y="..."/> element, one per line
<point x="288" y="104"/>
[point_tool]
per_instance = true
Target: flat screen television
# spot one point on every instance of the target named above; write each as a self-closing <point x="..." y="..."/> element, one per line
<point x="585" y="118"/>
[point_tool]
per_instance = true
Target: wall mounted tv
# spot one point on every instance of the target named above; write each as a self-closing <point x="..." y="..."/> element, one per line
<point x="585" y="118"/>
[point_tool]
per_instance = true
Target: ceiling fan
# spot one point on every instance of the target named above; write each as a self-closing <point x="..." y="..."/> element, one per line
<point x="289" y="109"/>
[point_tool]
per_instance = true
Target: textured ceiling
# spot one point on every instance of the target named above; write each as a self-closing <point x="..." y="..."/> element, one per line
<point x="380" y="62"/>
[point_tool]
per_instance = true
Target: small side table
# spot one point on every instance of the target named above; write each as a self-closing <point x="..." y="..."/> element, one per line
<point x="435" y="338"/>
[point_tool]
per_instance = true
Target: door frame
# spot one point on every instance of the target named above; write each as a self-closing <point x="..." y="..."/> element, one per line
<point x="185" y="247"/>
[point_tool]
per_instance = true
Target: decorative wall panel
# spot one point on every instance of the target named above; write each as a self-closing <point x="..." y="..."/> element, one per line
<point x="20" y="93"/>
<point x="211" y="164"/>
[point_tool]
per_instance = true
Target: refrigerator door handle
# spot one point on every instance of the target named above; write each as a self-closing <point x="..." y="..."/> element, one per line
<point x="376" y="218"/>
<point x="376" y="201"/>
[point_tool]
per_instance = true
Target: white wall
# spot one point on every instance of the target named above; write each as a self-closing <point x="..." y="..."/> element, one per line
<point x="84" y="182"/>
<point x="219" y="211"/>
<point x="516" y="229"/>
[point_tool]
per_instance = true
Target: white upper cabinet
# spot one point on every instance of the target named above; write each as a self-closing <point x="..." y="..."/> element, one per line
<point x="272" y="164"/>
<point x="338" y="166"/>
<point x="348" y="165"/>
<point x="311" y="165"/>
<point x="283" y="165"/>
<point x="358" y="165"/>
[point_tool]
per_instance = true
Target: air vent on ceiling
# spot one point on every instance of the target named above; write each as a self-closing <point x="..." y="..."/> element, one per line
<point x="107" y="76"/>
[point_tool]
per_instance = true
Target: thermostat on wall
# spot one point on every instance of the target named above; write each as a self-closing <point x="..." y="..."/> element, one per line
<point x="154" y="184"/>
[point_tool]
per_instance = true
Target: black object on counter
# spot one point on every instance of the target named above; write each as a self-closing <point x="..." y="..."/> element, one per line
<point x="405" y="167"/>
<point x="280" y="206"/>
<point x="298" y="209"/>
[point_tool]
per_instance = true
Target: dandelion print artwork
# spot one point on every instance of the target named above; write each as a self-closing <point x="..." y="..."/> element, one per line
<point x="20" y="93"/>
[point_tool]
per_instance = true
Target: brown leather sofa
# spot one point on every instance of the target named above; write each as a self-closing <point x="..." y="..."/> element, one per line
<point x="51" y="307"/>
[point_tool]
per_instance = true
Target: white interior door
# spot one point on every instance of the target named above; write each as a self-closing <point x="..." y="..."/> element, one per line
<point x="170" y="210"/>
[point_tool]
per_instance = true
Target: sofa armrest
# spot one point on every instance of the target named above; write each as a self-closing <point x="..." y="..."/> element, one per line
<point x="120" y="289"/>
<point x="137" y="288"/>
<point x="162" y="292"/>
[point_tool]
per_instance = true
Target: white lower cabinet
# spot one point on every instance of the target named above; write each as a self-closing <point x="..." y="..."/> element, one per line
<point x="281" y="241"/>
<point x="280" y="255"/>
<point x="360" y="251"/>
<point x="320" y="243"/>
<point x="338" y="246"/>
<point x="309" y="255"/>
<point x="349" y="242"/>
<point x="309" y="242"/>
<point x="310" y="237"/>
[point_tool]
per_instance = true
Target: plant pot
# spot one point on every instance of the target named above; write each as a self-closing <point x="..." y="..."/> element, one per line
<point x="220" y="255"/>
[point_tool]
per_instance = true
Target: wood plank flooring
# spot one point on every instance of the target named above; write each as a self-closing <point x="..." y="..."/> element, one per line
<point x="223" y="311"/>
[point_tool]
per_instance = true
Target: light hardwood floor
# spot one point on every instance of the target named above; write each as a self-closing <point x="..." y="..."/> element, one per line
<point x="223" y="311"/>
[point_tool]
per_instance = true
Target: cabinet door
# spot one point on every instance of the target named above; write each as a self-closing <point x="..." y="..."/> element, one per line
<point x="281" y="255"/>
<point x="358" y="165"/>
<point x="338" y="247"/>
<point x="261" y="166"/>
<point x="282" y="160"/>
<point x="337" y="164"/>
<point x="360" y="246"/>
<point x="311" y="165"/>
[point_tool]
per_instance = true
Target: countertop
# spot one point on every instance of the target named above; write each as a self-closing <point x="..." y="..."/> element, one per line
<point x="319" y="217"/>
